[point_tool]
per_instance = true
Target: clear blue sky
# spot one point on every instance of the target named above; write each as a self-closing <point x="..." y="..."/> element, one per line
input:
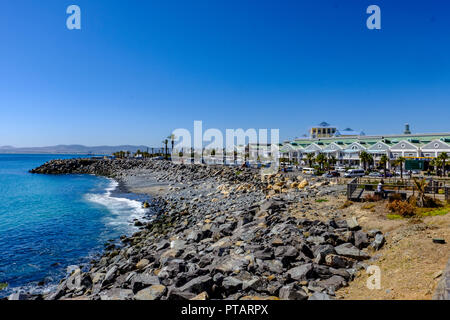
<point x="139" y="69"/>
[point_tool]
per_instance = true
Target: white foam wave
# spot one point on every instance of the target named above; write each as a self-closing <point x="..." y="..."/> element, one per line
<point x="123" y="210"/>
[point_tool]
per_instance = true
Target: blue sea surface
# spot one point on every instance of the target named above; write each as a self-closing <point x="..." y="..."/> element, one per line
<point x="50" y="222"/>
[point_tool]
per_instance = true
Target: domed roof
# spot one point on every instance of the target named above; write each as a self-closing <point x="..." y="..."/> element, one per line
<point x="324" y="124"/>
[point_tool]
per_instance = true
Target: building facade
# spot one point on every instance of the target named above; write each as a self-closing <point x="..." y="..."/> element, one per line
<point x="346" y="150"/>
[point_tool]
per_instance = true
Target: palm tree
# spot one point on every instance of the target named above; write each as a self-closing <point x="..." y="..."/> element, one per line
<point x="331" y="161"/>
<point x="365" y="158"/>
<point x="310" y="158"/>
<point x="370" y="160"/>
<point x="383" y="162"/>
<point x="399" y="162"/>
<point x="321" y="159"/>
<point x="420" y="185"/>
<point x="172" y="140"/>
<point x="437" y="163"/>
<point x="443" y="157"/>
<point x="165" y="142"/>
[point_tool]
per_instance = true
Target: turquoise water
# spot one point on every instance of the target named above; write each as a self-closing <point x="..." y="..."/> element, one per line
<point x="48" y="223"/>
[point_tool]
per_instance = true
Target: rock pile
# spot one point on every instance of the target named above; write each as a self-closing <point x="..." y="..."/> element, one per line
<point x="168" y="171"/>
<point x="259" y="252"/>
<point x="224" y="234"/>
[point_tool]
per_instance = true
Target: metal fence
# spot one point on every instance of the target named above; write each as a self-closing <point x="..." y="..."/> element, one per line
<point x="435" y="188"/>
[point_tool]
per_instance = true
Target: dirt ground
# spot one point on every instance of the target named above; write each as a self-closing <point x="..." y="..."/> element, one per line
<point x="411" y="264"/>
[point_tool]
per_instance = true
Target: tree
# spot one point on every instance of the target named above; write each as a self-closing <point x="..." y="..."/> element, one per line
<point x="310" y="158"/>
<point x="365" y="158"/>
<point x="321" y="159"/>
<point x="443" y="157"/>
<point x="165" y="142"/>
<point x="437" y="163"/>
<point x="172" y="140"/>
<point x="399" y="162"/>
<point x="420" y="185"/>
<point x="383" y="162"/>
<point x="331" y="161"/>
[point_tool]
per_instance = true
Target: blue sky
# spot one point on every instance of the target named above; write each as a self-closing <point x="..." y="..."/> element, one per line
<point x="139" y="69"/>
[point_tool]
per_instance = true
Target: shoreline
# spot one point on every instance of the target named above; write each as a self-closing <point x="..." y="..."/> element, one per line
<point x="35" y="289"/>
<point x="221" y="233"/>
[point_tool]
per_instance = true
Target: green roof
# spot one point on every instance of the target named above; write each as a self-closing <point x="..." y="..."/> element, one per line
<point x="415" y="139"/>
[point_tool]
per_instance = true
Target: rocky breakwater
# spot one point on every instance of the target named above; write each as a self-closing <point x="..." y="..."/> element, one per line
<point x="164" y="170"/>
<point x="221" y="233"/>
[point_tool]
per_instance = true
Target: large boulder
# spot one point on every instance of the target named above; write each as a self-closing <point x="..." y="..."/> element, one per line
<point x="152" y="293"/>
<point x="198" y="285"/>
<point x="302" y="272"/>
<point x="319" y="296"/>
<point x="289" y="292"/>
<point x="350" y="251"/>
<point x="378" y="242"/>
<point x="361" y="239"/>
<point x="336" y="261"/>
<point x="231" y="285"/>
<point x="141" y="281"/>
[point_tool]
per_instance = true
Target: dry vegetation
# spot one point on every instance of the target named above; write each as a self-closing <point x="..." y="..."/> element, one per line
<point x="411" y="264"/>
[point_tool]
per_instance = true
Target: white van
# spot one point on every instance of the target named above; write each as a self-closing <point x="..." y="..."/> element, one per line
<point x="308" y="171"/>
<point x="353" y="173"/>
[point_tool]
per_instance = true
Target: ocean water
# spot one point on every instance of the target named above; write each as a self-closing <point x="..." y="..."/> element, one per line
<point x="48" y="223"/>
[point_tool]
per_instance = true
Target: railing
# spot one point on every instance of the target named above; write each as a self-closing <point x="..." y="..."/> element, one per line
<point x="351" y="187"/>
<point x="435" y="189"/>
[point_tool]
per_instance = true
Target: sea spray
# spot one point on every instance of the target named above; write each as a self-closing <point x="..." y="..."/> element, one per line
<point x="123" y="210"/>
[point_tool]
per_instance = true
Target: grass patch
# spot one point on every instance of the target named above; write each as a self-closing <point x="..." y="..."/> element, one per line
<point x="432" y="212"/>
<point x="347" y="204"/>
<point x="3" y="286"/>
<point x="368" y="206"/>
<point x="394" y="217"/>
<point x="321" y="200"/>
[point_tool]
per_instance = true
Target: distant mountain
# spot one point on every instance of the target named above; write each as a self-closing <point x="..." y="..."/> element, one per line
<point x="73" y="149"/>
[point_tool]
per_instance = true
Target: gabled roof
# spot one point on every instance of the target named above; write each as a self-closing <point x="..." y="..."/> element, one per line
<point x="312" y="148"/>
<point x="354" y="147"/>
<point x="333" y="147"/>
<point x="380" y="146"/>
<point x="406" y="145"/>
<point x="436" y="144"/>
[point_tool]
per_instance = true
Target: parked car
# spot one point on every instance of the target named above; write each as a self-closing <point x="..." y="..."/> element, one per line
<point x="340" y="169"/>
<point x="353" y="173"/>
<point x="398" y="173"/>
<point x="389" y="174"/>
<point x="331" y="174"/>
<point x="376" y="174"/>
<point x="309" y="171"/>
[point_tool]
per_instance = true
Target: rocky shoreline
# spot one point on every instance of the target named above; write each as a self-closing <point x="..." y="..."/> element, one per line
<point x="220" y="233"/>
